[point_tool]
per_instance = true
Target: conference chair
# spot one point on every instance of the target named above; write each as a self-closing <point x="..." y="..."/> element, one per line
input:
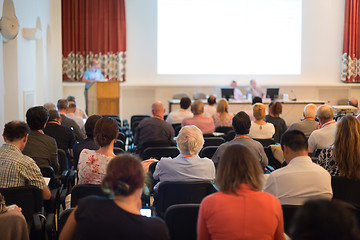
<point x="115" y="117"/>
<point x="224" y="130"/>
<point x="119" y="143"/>
<point x="199" y="96"/>
<point x="171" y="193"/>
<point x="265" y="142"/>
<point x="177" y="127"/>
<point x="208" y="151"/>
<point x="159" y="152"/>
<point x="208" y="135"/>
<point x="289" y="212"/>
<point x="213" y="141"/>
<point x="137" y="118"/>
<point x="273" y="162"/>
<point x="145" y="145"/>
<point x="346" y="190"/>
<point x="63" y="218"/>
<point x="181" y="220"/>
<point x="229" y="136"/>
<point x="83" y="190"/>
<point x="122" y="137"/>
<point x="118" y="150"/>
<point x="179" y="95"/>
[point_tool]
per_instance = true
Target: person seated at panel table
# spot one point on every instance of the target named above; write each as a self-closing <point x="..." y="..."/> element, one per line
<point x="240" y="210"/>
<point x="259" y="128"/>
<point x="308" y="125"/>
<point x="118" y="217"/>
<point x="222" y="117"/>
<point x="187" y="166"/>
<point x="210" y="108"/>
<point x="176" y="117"/>
<point x="205" y="124"/>
<point x="275" y="109"/>
<point x="237" y="92"/>
<point x="254" y="89"/>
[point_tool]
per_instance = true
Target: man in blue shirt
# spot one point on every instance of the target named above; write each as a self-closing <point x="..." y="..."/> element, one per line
<point x="91" y="75"/>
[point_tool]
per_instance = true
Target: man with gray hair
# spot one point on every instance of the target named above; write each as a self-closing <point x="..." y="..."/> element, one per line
<point x="205" y="124"/>
<point x="308" y="125"/>
<point x="187" y="166"/>
<point x="325" y="136"/>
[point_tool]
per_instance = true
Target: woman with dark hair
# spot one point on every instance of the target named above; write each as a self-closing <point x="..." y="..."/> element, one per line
<point x="119" y="217"/>
<point x="275" y="109"/>
<point x="240" y="210"/>
<point x="92" y="163"/>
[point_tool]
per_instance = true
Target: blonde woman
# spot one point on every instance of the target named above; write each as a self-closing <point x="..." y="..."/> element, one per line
<point x="222" y="117"/>
<point x="343" y="158"/>
<point x="259" y="128"/>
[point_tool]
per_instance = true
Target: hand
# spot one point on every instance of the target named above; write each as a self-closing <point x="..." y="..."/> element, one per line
<point x="14" y="208"/>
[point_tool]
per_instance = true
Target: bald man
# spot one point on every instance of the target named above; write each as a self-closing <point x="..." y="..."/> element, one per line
<point x="308" y="125"/>
<point x="154" y="129"/>
<point x="325" y="136"/>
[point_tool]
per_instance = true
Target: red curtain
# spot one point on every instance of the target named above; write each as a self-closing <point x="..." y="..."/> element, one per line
<point x="93" y="29"/>
<point x="351" y="47"/>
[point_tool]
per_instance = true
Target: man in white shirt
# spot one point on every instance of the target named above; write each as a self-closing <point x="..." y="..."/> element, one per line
<point x="210" y="109"/>
<point x="325" y="136"/>
<point x="237" y="92"/>
<point x="301" y="179"/>
<point x="177" y="116"/>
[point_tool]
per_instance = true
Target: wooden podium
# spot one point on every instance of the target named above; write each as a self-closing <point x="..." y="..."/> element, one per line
<point x="104" y="98"/>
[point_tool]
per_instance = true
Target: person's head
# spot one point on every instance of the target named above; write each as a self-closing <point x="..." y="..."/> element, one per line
<point x="54" y="115"/>
<point x="233" y="84"/>
<point x="310" y="111"/>
<point x="253" y="83"/>
<point x="241" y="123"/>
<point x="259" y="111"/>
<point x="293" y="143"/>
<point x="124" y="175"/>
<point x="94" y="64"/>
<point x="211" y="100"/>
<point x="275" y="108"/>
<point x="62" y="105"/>
<point x="157" y="109"/>
<point x="71" y="99"/>
<point x="49" y="106"/>
<point x="37" y="117"/>
<point x="90" y="125"/>
<point x="325" y="113"/>
<point x="347" y="147"/>
<point x="106" y="130"/>
<point x="256" y="99"/>
<point x="185" y="102"/>
<point x="72" y="107"/>
<point x="238" y="165"/>
<point x="190" y="140"/>
<point x="197" y="108"/>
<point x="16" y="131"/>
<point x="222" y="106"/>
<point x="325" y="219"/>
<point x="353" y="102"/>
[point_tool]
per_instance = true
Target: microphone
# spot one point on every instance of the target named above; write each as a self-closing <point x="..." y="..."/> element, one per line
<point x="293" y="99"/>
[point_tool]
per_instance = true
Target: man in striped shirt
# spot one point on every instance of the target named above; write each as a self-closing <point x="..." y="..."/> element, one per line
<point x="17" y="169"/>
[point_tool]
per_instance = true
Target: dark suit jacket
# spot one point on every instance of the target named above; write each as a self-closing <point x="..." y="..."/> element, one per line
<point x="68" y="122"/>
<point x="42" y="149"/>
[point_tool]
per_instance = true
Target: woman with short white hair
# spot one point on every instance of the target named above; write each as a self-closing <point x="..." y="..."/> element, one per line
<point x="187" y="166"/>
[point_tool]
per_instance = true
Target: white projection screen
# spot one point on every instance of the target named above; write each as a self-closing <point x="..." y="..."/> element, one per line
<point x="229" y="37"/>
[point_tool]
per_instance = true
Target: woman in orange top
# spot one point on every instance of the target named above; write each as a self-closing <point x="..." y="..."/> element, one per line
<point x="240" y="210"/>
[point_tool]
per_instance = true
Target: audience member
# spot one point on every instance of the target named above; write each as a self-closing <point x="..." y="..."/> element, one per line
<point x="237" y="92"/>
<point x="250" y="112"/>
<point x="49" y="106"/>
<point x="62" y="106"/>
<point x="40" y="147"/>
<point x="240" y="210"/>
<point x="259" y="128"/>
<point x="254" y="90"/>
<point x="205" y="124"/>
<point x="154" y="128"/>
<point x="275" y="109"/>
<point x="241" y="124"/>
<point x="210" y="108"/>
<point x="89" y="142"/>
<point x="78" y="111"/>
<point x="324" y="219"/>
<point x="176" y="117"/>
<point x="119" y="217"/>
<point x="325" y="136"/>
<point x="343" y="158"/>
<point x="308" y="125"/>
<point x="17" y="169"/>
<point x="222" y="117"/>
<point x="187" y="166"/>
<point x="71" y="114"/>
<point x="93" y="163"/>
<point x="64" y="136"/>
<point x="301" y="179"/>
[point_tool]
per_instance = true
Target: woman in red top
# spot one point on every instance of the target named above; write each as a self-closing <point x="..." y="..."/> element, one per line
<point x="240" y="210"/>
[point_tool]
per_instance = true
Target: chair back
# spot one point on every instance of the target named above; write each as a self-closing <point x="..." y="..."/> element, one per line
<point x="48" y="172"/>
<point x="213" y="141"/>
<point x="265" y="142"/>
<point x="118" y="150"/>
<point x="62" y="160"/>
<point x="115" y="117"/>
<point x="199" y="96"/>
<point x="171" y="193"/>
<point x="122" y="137"/>
<point x="159" y="152"/>
<point x="177" y="128"/>
<point x="273" y="162"/>
<point x="208" y="151"/>
<point x="63" y="218"/>
<point x="229" y="136"/>
<point x="224" y="130"/>
<point x="137" y="118"/>
<point x="346" y="190"/>
<point x="83" y="190"/>
<point x="119" y="143"/>
<point x="181" y="220"/>
<point x="289" y="212"/>
<point x="179" y="95"/>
